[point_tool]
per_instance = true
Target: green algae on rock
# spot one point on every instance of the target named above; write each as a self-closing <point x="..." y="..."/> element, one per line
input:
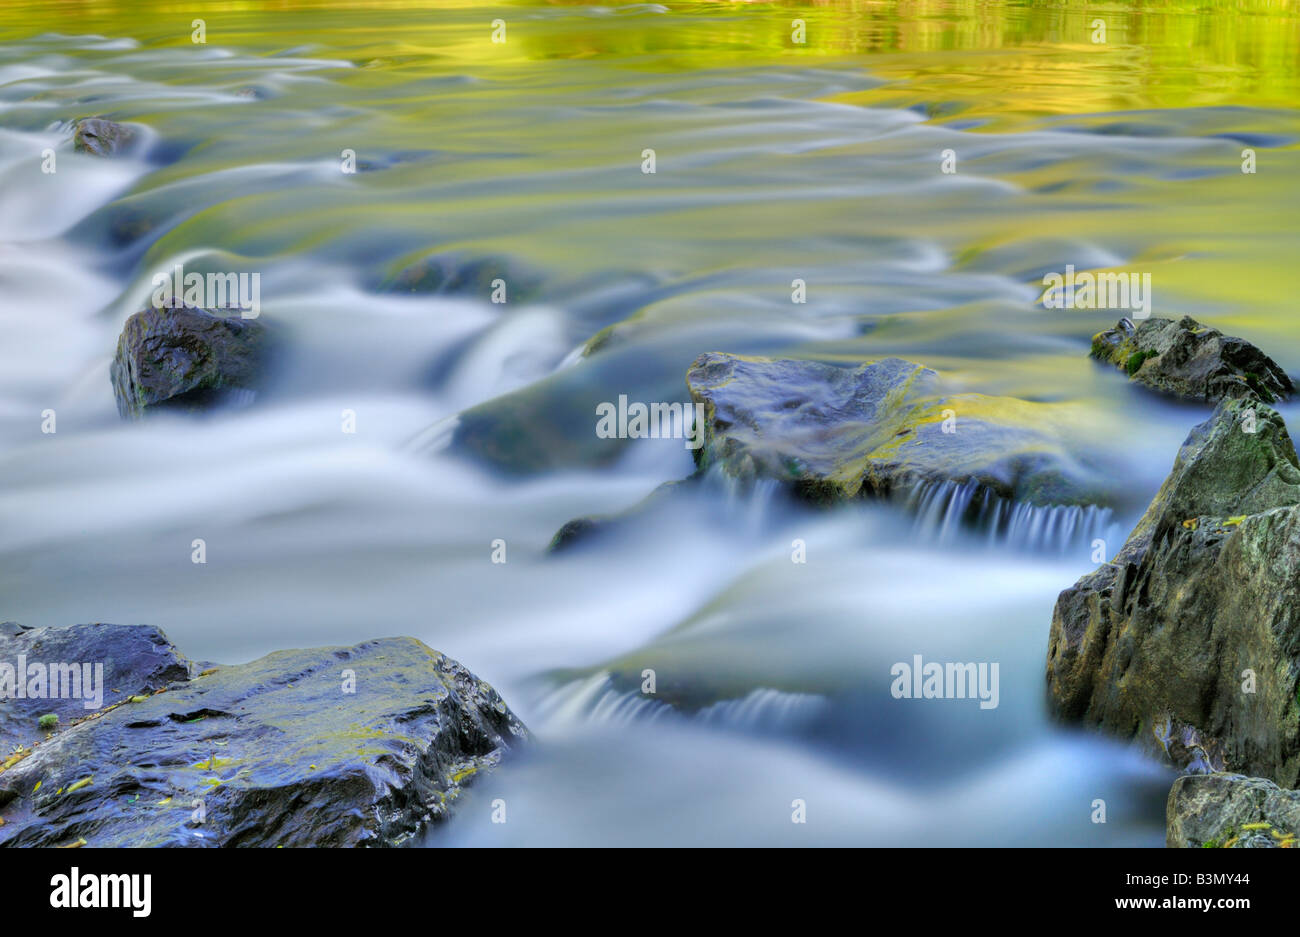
<point x="1189" y="639"/>
<point x="1191" y="361"/>
<point x="1231" y="811"/>
<point x="368" y="745"/>
<point x="185" y="358"/>
<point x="834" y="433"/>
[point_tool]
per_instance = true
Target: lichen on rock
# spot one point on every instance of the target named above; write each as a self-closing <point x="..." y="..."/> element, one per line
<point x="1189" y="360"/>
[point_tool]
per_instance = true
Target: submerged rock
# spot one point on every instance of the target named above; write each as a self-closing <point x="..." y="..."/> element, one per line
<point x="582" y="530"/>
<point x="1231" y="811"/>
<point x="456" y="274"/>
<point x="1189" y="639"/>
<point x="336" y="746"/>
<point x="185" y="358"/>
<point x="1190" y="360"/>
<point x="834" y="433"/>
<point x="551" y="424"/>
<point x="100" y="136"/>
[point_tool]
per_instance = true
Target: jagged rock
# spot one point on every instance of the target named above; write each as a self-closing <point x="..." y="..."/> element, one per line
<point x="1190" y="360"/>
<point x="1232" y="811"/>
<point x="188" y="359"/>
<point x="368" y="745"/>
<point x="834" y="433"/>
<point x="99" y="136"/>
<point x="1189" y="639"/>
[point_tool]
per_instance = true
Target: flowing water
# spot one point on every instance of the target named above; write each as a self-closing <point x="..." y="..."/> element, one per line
<point x="775" y="160"/>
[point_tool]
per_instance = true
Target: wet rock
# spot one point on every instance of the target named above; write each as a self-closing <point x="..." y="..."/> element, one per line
<point x="99" y="136"/>
<point x="575" y="531"/>
<point x="1189" y="639"/>
<point x="1231" y="811"/>
<point x="1190" y="360"/>
<point x="834" y="433"/>
<point x="367" y="745"/>
<point x="123" y="661"/>
<point x="584" y="530"/>
<point x="187" y="359"/>
<point x="551" y="423"/>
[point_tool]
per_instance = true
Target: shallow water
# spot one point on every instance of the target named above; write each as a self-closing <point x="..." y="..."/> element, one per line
<point x="775" y="161"/>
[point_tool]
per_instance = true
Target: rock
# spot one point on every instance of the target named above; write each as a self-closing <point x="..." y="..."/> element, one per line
<point x="834" y="433"/>
<point x="135" y="659"/>
<point x="99" y="136"/>
<point x="456" y="274"/>
<point x="1200" y="604"/>
<point x="1190" y="360"/>
<point x="1231" y="811"/>
<point x="583" y="530"/>
<point x="276" y="752"/>
<point x="551" y="423"/>
<point x="576" y="531"/>
<point x="188" y="359"/>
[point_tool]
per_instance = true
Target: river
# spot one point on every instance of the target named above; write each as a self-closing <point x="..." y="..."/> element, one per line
<point x="775" y="160"/>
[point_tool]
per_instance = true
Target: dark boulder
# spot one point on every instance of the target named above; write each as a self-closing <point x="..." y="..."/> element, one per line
<point x="187" y="359"/>
<point x="123" y="661"/>
<point x="1190" y="360"/>
<point x="367" y="745"/>
<point x="1231" y="811"/>
<point x="1189" y="639"/>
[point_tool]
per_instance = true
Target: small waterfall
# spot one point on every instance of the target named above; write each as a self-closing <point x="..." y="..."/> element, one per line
<point x="945" y="508"/>
<point x="765" y="710"/>
<point x="747" y="504"/>
<point x="595" y="700"/>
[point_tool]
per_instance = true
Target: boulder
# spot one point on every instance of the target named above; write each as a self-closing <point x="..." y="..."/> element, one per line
<point x="832" y="433"/>
<point x="100" y="136"/>
<point x="1189" y="639"/>
<point x="368" y="745"/>
<point x="1190" y="360"/>
<point x="188" y="359"/>
<point x="132" y="660"/>
<point x="1231" y="811"/>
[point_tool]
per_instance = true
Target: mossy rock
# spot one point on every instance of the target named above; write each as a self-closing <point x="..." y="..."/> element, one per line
<point x="1231" y="811"/>
<point x="187" y="359"/>
<point x="339" y="746"/>
<point x="1155" y="644"/>
<point x="1189" y="360"/>
<point x="834" y="433"/>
